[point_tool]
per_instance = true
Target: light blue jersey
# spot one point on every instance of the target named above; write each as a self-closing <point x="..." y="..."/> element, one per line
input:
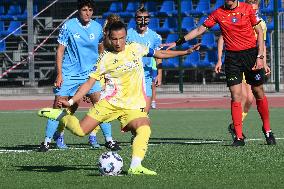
<point x="81" y="44"/>
<point x="152" y="40"/>
<point x="80" y="55"/>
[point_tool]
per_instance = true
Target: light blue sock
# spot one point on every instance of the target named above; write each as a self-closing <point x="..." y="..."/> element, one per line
<point x="51" y="128"/>
<point x="106" y="129"/>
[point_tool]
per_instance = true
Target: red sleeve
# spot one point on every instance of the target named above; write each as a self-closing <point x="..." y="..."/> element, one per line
<point x="210" y="20"/>
<point x="254" y="19"/>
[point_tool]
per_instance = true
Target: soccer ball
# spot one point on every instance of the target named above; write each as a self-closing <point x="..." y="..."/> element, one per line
<point x="110" y="164"/>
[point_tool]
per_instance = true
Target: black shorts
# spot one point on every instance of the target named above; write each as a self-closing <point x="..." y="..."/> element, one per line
<point x="238" y="63"/>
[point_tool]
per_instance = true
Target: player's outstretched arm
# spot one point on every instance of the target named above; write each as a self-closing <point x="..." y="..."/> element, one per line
<point x="82" y="91"/>
<point x="191" y="35"/>
<point x="171" y="53"/>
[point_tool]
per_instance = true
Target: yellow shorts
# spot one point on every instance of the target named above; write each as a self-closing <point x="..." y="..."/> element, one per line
<point x="103" y="111"/>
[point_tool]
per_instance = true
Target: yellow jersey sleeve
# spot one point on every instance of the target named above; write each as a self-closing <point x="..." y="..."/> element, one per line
<point x="141" y="50"/>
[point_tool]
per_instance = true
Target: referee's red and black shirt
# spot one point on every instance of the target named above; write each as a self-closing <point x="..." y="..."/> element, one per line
<point x="236" y="26"/>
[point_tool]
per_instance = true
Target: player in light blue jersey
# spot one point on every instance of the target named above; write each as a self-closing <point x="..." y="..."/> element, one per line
<point x="77" y="54"/>
<point x="144" y="35"/>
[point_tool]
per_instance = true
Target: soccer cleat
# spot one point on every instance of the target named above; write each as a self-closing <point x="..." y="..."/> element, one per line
<point x="270" y="139"/>
<point x="153" y="105"/>
<point x="112" y="145"/>
<point x="50" y="113"/>
<point x="231" y="130"/>
<point x="140" y="170"/>
<point x="238" y="142"/>
<point x="60" y="141"/>
<point x="43" y="147"/>
<point x="94" y="143"/>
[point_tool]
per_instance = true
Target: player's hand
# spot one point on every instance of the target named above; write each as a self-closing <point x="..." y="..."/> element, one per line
<point x="258" y="64"/>
<point x="218" y="66"/>
<point x="59" y="81"/>
<point x="195" y="47"/>
<point x="267" y="69"/>
<point x="158" y="80"/>
<point x="63" y="103"/>
<point x="168" y="45"/>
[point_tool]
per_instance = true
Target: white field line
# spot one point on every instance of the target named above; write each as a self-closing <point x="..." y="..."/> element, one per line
<point x="189" y="142"/>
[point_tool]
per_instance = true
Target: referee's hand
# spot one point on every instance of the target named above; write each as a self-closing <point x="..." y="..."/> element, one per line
<point x="258" y="64"/>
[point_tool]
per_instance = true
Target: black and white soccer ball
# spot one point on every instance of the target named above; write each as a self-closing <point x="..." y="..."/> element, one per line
<point x="110" y="164"/>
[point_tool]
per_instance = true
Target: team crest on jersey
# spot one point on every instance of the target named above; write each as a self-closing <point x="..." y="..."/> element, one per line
<point x="234" y="20"/>
<point x="257" y="77"/>
<point x="92" y="36"/>
<point x="77" y="35"/>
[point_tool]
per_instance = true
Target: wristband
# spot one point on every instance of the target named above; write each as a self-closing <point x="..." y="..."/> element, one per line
<point x="71" y="102"/>
<point x="180" y="41"/>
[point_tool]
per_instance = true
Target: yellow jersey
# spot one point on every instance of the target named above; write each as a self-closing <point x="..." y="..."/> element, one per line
<point x="124" y="75"/>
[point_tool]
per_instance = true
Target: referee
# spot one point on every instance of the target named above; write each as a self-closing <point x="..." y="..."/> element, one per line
<point x="244" y="54"/>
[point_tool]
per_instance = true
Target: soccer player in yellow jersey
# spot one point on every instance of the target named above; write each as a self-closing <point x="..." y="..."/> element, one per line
<point x="247" y="95"/>
<point x="124" y="96"/>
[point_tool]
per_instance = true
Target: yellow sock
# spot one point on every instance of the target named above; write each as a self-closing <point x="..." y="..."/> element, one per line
<point x="140" y="142"/>
<point x="96" y="130"/>
<point x="72" y="123"/>
<point x="244" y="115"/>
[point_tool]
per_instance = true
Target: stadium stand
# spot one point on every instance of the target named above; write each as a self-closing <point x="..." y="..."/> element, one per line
<point x="170" y="25"/>
<point x="186" y="8"/>
<point x="167" y="9"/>
<point x="130" y="10"/>
<point x="203" y="7"/>
<point x="163" y="20"/>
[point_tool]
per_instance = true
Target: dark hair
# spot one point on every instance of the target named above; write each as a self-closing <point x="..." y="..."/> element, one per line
<point x="141" y="9"/>
<point x="82" y="3"/>
<point x="115" y="26"/>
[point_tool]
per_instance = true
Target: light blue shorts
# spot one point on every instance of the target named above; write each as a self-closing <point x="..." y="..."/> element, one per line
<point x="148" y="82"/>
<point x="72" y="83"/>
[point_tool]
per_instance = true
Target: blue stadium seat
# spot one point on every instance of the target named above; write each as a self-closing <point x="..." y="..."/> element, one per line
<point x="130" y="10"/>
<point x="203" y="7"/>
<point x="115" y="8"/>
<point x="268" y="39"/>
<point x="269" y="7"/>
<point x="154" y="24"/>
<point x="12" y="12"/>
<point x="101" y="21"/>
<point x="167" y="8"/>
<point x="171" y="62"/>
<point x="25" y="13"/>
<point x="131" y="23"/>
<point x="12" y="27"/>
<point x="281" y="5"/>
<point x="2" y="10"/>
<point x="208" y="41"/>
<point x="2" y="28"/>
<point x="170" y="25"/>
<point x="151" y="7"/>
<point x="186" y="7"/>
<point x="216" y="27"/>
<point x="210" y="59"/>
<point x="201" y="21"/>
<point x="187" y="24"/>
<point x="217" y="5"/>
<point x="172" y="37"/>
<point x="192" y="60"/>
<point x="2" y="45"/>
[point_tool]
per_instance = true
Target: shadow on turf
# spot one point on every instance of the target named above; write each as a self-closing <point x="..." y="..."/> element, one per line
<point x="20" y="147"/>
<point x="56" y="168"/>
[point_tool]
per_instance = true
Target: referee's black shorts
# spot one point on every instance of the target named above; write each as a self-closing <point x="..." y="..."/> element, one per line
<point x="239" y="62"/>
